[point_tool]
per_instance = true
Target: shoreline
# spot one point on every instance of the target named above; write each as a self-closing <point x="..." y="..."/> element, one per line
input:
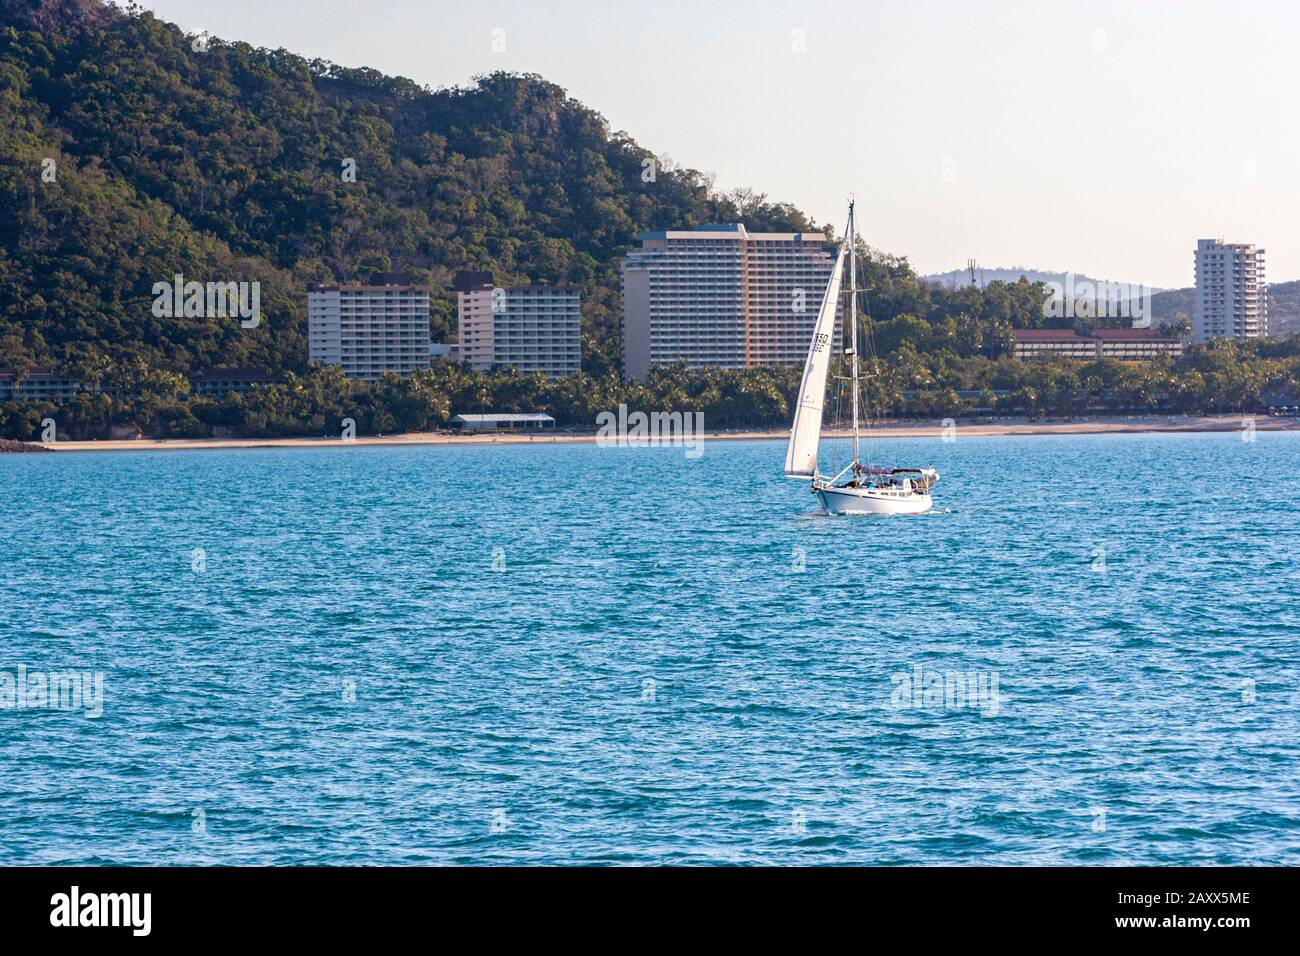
<point x="982" y="429"/>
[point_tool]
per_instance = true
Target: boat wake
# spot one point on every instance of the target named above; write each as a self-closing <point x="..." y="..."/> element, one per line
<point x="815" y="513"/>
<point x="820" y="513"/>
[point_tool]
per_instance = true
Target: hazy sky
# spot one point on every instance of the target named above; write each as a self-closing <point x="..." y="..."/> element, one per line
<point x="1102" y="137"/>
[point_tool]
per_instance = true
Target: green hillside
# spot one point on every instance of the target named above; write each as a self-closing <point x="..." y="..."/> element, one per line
<point x="1177" y="305"/>
<point x="1284" y="308"/>
<point x="226" y="163"/>
<point x="129" y="154"/>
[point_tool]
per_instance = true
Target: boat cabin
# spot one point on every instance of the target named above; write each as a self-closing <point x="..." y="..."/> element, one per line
<point x="894" y="485"/>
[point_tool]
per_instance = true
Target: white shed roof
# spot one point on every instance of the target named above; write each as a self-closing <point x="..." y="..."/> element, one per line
<point x="492" y="418"/>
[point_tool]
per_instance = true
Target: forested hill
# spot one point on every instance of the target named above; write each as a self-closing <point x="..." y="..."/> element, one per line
<point x="131" y="153"/>
<point x="224" y="162"/>
<point x="1178" y="305"/>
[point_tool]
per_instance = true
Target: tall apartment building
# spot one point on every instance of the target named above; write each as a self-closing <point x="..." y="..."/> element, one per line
<point x="1231" y="297"/>
<point x="369" y="329"/>
<point x="721" y="296"/>
<point x="534" y="328"/>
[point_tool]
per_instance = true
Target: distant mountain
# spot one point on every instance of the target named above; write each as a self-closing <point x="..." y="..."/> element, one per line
<point x="957" y="278"/>
<point x="1168" y="306"/>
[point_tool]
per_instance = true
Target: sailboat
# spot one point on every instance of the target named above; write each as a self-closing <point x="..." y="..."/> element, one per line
<point x="859" y="488"/>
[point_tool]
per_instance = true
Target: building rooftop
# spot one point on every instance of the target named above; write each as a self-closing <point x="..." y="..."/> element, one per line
<point x="1103" y="335"/>
<point x="730" y="230"/>
<point x="1220" y="244"/>
<point x="34" y="374"/>
<point x="1132" y="335"/>
<point x="1048" y="335"/>
<point x="362" y="287"/>
<point x="471" y="281"/>
<point x="497" y="417"/>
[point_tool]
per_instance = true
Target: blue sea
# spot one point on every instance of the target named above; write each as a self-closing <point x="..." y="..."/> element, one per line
<point x="1088" y="653"/>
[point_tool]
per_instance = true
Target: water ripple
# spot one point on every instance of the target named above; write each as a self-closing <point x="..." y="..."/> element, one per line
<point x="568" y="654"/>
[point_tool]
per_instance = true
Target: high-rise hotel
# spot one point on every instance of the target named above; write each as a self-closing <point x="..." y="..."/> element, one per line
<point x="721" y="296"/>
<point x="534" y="328"/>
<point x="369" y="329"/>
<point x="1231" y="297"/>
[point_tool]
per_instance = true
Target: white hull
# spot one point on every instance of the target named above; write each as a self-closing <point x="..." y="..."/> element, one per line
<point x="871" y="501"/>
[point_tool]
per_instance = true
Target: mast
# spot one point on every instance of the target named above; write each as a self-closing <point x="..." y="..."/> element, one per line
<point x="853" y="326"/>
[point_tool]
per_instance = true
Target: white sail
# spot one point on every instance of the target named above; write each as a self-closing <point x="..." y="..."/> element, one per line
<point x="801" y="455"/>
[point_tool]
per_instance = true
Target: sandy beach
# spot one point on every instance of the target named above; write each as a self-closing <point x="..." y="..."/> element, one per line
<point x="975" y="429"/>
